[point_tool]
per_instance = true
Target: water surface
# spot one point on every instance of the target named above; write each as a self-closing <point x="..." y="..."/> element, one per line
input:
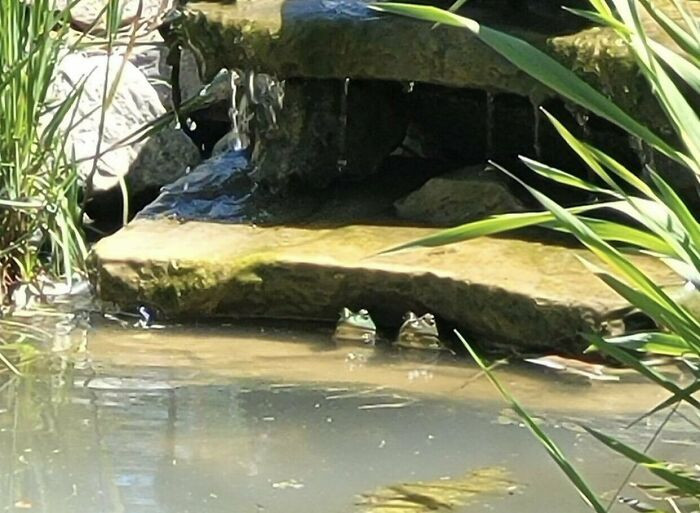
<point x="235" y="419"/>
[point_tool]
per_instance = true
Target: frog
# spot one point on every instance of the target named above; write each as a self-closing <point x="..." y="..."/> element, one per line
<point x="419" y="332"/>
<point x="355" y="327"/>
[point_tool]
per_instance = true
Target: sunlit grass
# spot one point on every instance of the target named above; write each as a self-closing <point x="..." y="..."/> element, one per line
<point x="39" y="192"/>
<point x="663" y="226"/>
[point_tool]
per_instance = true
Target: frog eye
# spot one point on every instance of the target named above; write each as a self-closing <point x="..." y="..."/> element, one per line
<point x="363" y="312"/>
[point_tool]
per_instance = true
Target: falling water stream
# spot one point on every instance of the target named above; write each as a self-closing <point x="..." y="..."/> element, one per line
<point x="536" y="126"/>
<point x="343" y="131"/>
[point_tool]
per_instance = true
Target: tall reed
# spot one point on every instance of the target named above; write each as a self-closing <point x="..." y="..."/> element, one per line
<point x="40" y="228"/>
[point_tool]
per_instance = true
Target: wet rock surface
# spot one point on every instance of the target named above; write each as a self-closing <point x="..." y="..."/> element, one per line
<point x="329" y="129"/>
<point x="221" y="190"/>
<point x="526" y="294"/>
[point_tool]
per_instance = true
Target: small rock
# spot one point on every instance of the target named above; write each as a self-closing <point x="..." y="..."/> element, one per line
<point x="459" y="197"/>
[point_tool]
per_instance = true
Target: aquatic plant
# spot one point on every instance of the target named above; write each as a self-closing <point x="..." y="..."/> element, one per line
<point x="661" y="225"/>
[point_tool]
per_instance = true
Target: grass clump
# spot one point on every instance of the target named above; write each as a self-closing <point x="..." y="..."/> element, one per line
<point x="40" y="214"/>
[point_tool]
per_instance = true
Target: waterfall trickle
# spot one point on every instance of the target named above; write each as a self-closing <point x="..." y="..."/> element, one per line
<point x="536" y="100"/>
<point x="238" y="136"/>
<point x="537" y="118"/>
<point x="221" y="188"/>
<point x="342" y="162"/>
<point x="490" y="111"/>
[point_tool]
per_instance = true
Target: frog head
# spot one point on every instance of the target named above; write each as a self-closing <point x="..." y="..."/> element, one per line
<point x="355" y="327"/>
<point x="419" y="332"/>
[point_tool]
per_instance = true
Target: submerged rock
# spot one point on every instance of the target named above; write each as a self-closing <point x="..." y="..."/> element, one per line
<point x="522" y="293"/>
<point x="443" y="494"/>
<point x="459" y="197"/>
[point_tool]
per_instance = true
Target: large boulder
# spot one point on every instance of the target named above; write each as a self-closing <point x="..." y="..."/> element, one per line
<point x="149" y="163"/>
<point x="345" y="38"/>
<point x="89" y="15"/>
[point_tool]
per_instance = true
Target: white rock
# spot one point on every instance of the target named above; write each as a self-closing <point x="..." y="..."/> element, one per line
<point x="149" y="56"/>
<point x="156" y="161"/>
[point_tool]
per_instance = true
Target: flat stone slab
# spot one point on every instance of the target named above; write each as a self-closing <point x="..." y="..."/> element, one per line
<point x="511" y="291"/>
<point x="335" y="39"/>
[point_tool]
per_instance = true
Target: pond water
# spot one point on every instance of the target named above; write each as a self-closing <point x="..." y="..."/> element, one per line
<point x="244" y="419"/>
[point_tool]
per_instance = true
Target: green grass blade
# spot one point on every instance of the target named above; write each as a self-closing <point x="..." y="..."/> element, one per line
<point x="677" y="33"/>
<point x="671" y="401"/>
<point x="681" y="66"/>
<point x="665" y="312"/>
<point x="554" y="452"/>
<point x="489" y="226"/>
<point x="631" y="361"/>
<point x="667" y="344"/>
<point x="619" y="170"/>
<point x="678" y="207"/>
<point x="658" y="468"/>
<point x="599" y="18"/>
<point x="612" y="231"/>
<point x="565" y="178"/>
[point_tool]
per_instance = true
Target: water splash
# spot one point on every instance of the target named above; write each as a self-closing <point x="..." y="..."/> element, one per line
<point x="220" y="188"/>
<point x="490" y="111"/>
<point x="255" y="99"/>
<point x="342" y="163"/>
<point x="238" y="137"/>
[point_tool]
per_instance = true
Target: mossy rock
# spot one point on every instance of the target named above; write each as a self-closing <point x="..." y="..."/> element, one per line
<point x="526" y="294"/>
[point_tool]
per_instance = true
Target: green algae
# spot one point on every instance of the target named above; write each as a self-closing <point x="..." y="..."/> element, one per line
<point x="179" y="289"/>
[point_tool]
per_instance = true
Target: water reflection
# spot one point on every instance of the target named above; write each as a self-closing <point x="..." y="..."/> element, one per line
<point x="160" y="437"/>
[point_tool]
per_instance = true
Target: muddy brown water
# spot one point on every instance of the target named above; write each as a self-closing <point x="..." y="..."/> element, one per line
<point x="247" y="419"/>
